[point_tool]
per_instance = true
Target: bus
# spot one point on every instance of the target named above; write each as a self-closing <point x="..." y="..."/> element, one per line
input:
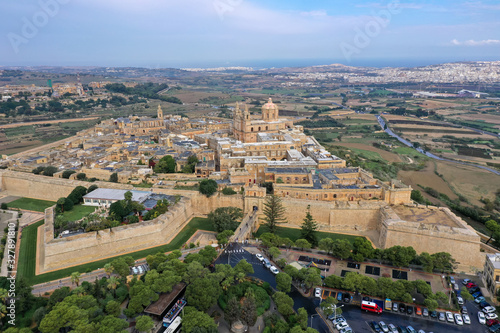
<point x="174" y="325"/>
<point x="371" y="306"/>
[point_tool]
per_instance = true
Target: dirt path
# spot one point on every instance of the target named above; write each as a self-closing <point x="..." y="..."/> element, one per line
<point x="71" y="120"/>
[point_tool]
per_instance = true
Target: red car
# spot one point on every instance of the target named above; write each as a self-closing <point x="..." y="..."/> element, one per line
<point x="492" y="322"/>
<point x="471" y="285"/>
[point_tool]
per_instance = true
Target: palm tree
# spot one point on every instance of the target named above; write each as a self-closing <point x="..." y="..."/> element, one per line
<point x="75" y="278"/>
<point x="112" y="284"/>
<point x="108" y="268"/>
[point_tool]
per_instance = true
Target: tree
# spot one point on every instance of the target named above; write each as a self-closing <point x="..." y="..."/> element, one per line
<point x="208" y="187"/>
<point x="83" y="176"/>
<point x="50" y="171"/>
<point x="284" y="303"/>
<point x="493" y="227"/>
<point x="113" y="308"/>
<point x="112" y="284"/>
<point x="274" y="252"/>
<point x="144" y="323"/>
<point x="203" y="293"/>
<point x="233" y="311"/>
<point x="431" y="304"/>
<point x="302" y="317"/>
<point x="303" y="244"/>
<point x="249" y="311"/>
<point x="67" y="173"/>
<point x="165" y="165"/>
<point x="309" y="228"/>
<point x="283" y="282"/>
<point x="113" y="178"/>
<point x="223" y="237"/>
<point x="226" y="218"/>
<point x="194" y="318"/>
<point x="326" y="244"/>
<point x="75" y="278"/>
<point x="274" y="213"/>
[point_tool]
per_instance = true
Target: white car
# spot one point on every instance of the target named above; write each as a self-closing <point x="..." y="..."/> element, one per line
<point x="458" y="319"/>
<point x="491" y="315"/>
<point x="384" y="327"/>
<point x="342" y="325"/>
<point x="466" y="318"/>
<point x="392" y="328"/>
<point x="481" y="318"/>
<point x="317" y="292"/>
<point x="449" y="317"/>
<point x="259" y="256"/>
<point x="489" y="309"/>
<point x="274" y="270"/>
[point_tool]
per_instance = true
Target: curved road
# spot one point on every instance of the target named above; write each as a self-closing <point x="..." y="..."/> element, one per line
<point x="420" y="150"/>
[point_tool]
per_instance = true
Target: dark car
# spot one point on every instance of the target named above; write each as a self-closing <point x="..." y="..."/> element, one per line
<point x="409" y="310"/>
<point x="402" y="307"/>
<point x="375" y="326"/>
<point x="484" y="304"/>
<point x="346" y="297"/>
<point x="434" y="314"/>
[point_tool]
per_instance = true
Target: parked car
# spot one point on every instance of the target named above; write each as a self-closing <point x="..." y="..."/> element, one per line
<point x="425" y="312"/>
<point x="489" y="309"/>
<point x="341" y="325"/>
<point x="317" y="292"/>
<point x="492" y="322"/>
<point x="449" y="317"/>
<point x="418" y="311"/>
<point x="460" y="300"/>
<point x="466" y="281"/>
<point x="481" y="318"/>
<point x="410" y="329"/>
<point x="466" y="318"/>
<point x="402" y="307"/>
<point x="395" y="307"/>
<point x="491" y="315"/>
<point x="384" y="327"/>
<point x="442" y="316"/>
<point x="375" y="326"/>
<point x="259" y="256"/>
<point x="409" y="310"/>
<point x="392" y="328"/>
<point x="458" y="319"/>
<point x="480" y="299"/>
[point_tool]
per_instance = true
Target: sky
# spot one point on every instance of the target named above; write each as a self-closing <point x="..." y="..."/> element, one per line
<point x="213" y="33"/>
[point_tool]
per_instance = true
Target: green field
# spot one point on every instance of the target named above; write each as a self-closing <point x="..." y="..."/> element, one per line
<point x="31" y="204"/>
<point x="27" y="255"/>
<point x="295" y="234"/>
<point x="78" y="212"/>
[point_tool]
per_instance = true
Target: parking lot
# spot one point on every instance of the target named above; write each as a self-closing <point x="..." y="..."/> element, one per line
<point x="360" y="321"/>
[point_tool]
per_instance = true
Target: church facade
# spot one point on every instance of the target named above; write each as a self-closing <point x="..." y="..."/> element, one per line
<point x="246" y="127"/>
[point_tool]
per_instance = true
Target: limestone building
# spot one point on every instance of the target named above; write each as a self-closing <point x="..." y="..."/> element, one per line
<point x="246" y="128"/>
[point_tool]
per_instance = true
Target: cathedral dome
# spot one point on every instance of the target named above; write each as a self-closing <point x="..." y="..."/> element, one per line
<point x="269" y="105"/>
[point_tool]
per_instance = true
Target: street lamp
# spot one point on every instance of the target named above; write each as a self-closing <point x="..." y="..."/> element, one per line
<point x="316" y="314"/>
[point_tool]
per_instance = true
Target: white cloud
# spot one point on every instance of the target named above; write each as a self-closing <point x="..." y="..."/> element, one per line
<point x="472" y="42"/>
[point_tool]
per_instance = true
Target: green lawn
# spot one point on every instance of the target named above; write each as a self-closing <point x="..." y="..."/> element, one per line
<point x="31" y="204"/>
<point x="27" y="257"/>
<point x="294" y="234"/>
<point x="78" y="212"/>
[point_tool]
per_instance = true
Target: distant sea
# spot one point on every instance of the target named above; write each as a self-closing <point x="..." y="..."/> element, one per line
<point x="280" y="63"/>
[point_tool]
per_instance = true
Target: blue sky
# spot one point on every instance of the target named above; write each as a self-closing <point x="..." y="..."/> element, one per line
<point x="192" y="33"/>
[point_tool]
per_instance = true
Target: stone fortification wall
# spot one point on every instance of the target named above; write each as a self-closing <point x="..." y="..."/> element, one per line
<point x="78" y="249"/>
